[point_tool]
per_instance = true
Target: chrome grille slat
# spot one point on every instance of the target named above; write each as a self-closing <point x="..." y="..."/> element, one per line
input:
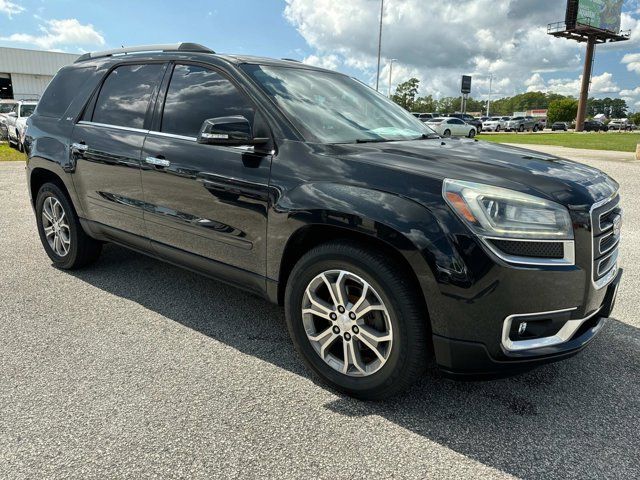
<point x="605" y="241"/>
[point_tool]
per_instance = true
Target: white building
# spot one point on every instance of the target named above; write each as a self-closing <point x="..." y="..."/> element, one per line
<point x="24" y="74"/>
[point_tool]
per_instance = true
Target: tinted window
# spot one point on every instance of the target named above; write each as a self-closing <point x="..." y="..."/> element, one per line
<point x="27" y="110"/>
<point x="196" y="94"/>
<point x="457" y="122"/>
<point x="125" y="95"/>
<point x="5" y="107"/>
<point x="62" y="90"/>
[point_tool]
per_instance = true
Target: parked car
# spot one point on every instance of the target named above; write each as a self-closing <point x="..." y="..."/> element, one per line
<point x="559" y="126"/>
<point x="384" y="244"/>
<point x="542" y="123"/>
<point x="16" y="121"/>
<point x="451" y="127"/>
<point x="493" y="124"/>
<point x="521" y="124"/>
<point x="621" y="124"/>
<point x="595" y="126"/>
<point x="5" y="107"/>
<point x="466" y="118"/>
<point x="422" y="116"/>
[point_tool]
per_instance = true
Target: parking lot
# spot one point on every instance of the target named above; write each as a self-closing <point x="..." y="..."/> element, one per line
<point x="134" y="368"/>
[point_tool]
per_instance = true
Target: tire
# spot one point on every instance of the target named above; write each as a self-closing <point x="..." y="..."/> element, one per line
<point x="447" y="133"/>
<point x="497" y="129"/>
<point x="472" y="133"/>
<point x="406" y="354"/>
<point x="80" y="249"/>
<point x="535" y="128"/>
<point x="521" y="128"/>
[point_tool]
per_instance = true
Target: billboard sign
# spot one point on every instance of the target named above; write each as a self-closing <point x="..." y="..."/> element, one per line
<point x="600" y="14"/>
<point x="466" y="84"/>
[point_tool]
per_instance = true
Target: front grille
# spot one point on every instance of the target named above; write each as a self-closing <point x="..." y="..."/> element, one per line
<point x="605" y="228"/>
<point x="530" y="249"/>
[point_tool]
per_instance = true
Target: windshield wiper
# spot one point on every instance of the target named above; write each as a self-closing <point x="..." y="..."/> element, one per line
<point x="372" y="140"/>
<point x="428" y="136"/>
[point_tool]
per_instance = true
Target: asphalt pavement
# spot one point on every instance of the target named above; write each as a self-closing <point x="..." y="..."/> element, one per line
<point x="137" y="369"/>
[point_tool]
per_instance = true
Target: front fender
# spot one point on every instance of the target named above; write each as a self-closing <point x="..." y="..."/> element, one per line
<point x="405" y="225"/>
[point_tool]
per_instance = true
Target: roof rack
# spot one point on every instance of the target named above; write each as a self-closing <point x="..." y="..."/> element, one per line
<point x="291" y="60"/>
<point x="169" y="47"/>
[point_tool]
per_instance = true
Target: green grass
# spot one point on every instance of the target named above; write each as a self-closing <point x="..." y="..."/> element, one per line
<point x="8" y="154"/>
<point x="620" y="142"/>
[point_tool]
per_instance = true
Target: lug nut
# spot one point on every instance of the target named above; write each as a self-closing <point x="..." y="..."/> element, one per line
<point x="336" y="329"/>
<point x="355" y="329"/>
<point x="333" y="316"/>
<point x="352" y="315"/>
<point x="341" y="309"/>
<point x="347" y="336"/>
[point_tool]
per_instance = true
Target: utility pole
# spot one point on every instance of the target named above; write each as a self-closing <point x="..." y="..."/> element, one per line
<point x="379" y="45"/>
<point x="586" y="81"/>
<point x="489" y="100"/>
<point x="390" y="70"/>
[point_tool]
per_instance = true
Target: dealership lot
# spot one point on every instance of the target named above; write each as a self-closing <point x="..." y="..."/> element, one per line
<point x="136" y="368"/>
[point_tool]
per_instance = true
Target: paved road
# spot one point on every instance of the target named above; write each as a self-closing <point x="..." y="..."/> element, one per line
<point x="135" y="369"/>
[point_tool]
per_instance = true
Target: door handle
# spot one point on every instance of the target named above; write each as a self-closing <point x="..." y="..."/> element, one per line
<point x="157" y="162"/>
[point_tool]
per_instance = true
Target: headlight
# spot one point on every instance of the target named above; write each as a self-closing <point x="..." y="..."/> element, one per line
<point x="499" y="212"/>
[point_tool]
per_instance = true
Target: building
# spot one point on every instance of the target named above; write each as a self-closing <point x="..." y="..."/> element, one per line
<point x="24" y="74"/>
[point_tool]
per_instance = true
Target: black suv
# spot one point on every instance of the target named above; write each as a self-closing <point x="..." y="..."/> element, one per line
<point x="595" y="126"/>
<point x="386" y="244"/>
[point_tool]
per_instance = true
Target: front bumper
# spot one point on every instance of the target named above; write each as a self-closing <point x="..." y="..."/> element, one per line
<point x="463" y="358"/>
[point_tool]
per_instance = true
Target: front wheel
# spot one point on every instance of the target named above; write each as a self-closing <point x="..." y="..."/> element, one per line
<point x="521" y="128"/>
<point x="61" y="234"/>
<point x="497" y="129"/>
<point x="447" y="133"/>
<point x="472" y="133"/>
<point x="356" y="320"/>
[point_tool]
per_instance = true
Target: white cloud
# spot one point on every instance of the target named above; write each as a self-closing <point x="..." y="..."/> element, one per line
<point x="439" y="44"/>
<point x="58" y="33"/>
<point x="330" y="62"/>
<point x="10" y="8"/>
<point x="600" y="84"/>
<point x="506" y="38"/>
<point x="632" y="97"/>
<point x="632" y="60"/>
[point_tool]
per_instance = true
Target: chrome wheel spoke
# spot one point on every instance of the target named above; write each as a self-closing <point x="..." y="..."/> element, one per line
<point x="324" y="339"/>
<point x="56" y="229"/>
<point x="48" y="231"/>
<point x="333" y="306"/>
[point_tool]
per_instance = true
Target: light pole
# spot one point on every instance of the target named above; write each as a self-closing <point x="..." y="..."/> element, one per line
<point x="379" y="45"/>
<point x="489" y="99"/>
<point x="390" y="72"/>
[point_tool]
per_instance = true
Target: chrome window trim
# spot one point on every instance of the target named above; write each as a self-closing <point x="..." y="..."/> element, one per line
<point x="569" y="249"/>
<point x="564" y="334"/>
<point x="116" y="127"/>
<point x="172" y="135"/>
<point x="613" y="272"/>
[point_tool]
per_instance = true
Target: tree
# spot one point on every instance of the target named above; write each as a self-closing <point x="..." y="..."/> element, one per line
<point x="635" y="118"/>
<point x="564" y="110"/>
<point x="406" y="92"/>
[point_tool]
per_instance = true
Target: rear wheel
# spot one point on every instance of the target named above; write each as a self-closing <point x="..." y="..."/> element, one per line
<point x="61" y="234"/>
<point x="356" y="320"/>
<point x="447" y="133"/>
<point x="521" y="128"/>
<point x="472" y="133"/>
<point x="497" y="129"/>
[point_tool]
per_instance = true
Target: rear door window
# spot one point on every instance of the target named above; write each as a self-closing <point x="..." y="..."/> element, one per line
<point x="126" y="94"/>
<point x="196" y="94"/>
<point x="62" y="90"/>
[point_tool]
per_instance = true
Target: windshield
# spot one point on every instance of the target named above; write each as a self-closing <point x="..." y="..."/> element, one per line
<point x="333" y="108"/>
<point x="27" y="110"/>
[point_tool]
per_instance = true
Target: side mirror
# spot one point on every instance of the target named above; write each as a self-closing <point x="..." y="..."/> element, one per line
<point x="230" y="131"/>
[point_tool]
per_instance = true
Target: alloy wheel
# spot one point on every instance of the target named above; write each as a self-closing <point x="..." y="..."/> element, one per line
<point x="56" y="226"/>
<point x="347" y="323"/>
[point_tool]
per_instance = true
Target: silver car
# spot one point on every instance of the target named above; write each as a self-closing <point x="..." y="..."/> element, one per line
<point x="493" y="124"/>
<point x="520" y="124"/>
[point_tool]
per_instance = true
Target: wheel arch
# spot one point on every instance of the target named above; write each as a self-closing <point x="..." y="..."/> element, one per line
<point x="39" y="174"/>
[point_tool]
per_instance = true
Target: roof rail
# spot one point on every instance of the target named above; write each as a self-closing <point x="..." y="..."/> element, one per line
<point x="291" y="60"/>
<point x="169" y="47"/>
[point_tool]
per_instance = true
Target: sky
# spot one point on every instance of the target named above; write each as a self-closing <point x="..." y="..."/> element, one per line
<point x="435" y="41"/>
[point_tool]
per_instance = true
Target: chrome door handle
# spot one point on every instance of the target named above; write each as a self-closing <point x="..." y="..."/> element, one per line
<point x="158" y="162"/>
<point x="79" y="147"/>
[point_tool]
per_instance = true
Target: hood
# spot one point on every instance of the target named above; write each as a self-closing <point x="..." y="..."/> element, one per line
<point x="570" y="183"/>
